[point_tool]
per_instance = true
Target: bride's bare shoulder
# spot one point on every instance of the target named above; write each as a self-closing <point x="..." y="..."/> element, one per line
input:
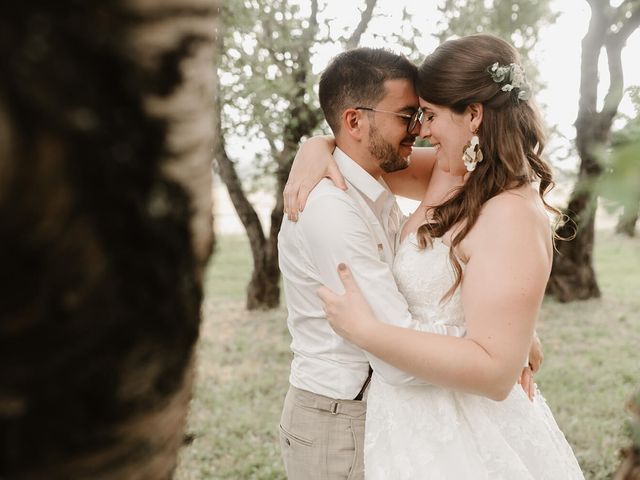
<point x="523" y="202"/>
<point x="516" y="215"/>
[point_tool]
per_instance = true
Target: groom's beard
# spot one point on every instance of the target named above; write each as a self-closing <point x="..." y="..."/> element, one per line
<point x="389" y="159"/>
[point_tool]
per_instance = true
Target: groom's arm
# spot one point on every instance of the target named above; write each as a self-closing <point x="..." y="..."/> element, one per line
<point x="333" y="230"/>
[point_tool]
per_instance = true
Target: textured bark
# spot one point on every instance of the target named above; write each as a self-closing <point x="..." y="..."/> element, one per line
<point x="627" y="221"/>
<point x="365" y="17"/>
<point x="263" y="291"/>
<point x="105" y="220"/>
<point x="572" y="275"/>
<point x="629" y="469"/>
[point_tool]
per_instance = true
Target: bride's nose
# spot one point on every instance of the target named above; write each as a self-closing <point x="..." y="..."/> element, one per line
<point x="425" y="131"/>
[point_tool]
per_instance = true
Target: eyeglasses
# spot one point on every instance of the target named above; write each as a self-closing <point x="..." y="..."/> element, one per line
<point x="413" y="118"/>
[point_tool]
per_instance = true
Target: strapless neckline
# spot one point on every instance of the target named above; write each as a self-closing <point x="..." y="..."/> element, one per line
<point x="414" y="235"/>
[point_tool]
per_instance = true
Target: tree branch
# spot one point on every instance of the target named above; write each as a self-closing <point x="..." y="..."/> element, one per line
<point x="591" y="45"/>
<point x="616" y="85"/>
<point x="272" y="144"/>
<point x="269" y="46"/>
<point x="244" y="209"/>
<point x="629" y="25"/>
<point x="614" y="44"/>
<point x="302" y="120"/>
<point x="365" y="18"/>
<point x="226" y="169"/>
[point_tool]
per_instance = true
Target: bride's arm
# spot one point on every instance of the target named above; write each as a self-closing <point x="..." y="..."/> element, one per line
<point x="512" y="250"/>
<point x="412" y="181"/>
<point x="314" y="161"/>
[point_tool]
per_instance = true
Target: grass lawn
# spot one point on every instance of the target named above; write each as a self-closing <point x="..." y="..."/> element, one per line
<point x="591" y="368"/>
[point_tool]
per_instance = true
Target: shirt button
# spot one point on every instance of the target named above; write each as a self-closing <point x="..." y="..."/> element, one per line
<point x="286" y="440"/>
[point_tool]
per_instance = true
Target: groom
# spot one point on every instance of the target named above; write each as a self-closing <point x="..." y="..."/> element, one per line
<point x="368" y="99"/>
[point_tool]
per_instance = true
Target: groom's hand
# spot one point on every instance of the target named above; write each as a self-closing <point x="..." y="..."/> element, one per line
<point x="527" y="383"/>
<point x="535" y="354"/>
<point x="535" y="361"/>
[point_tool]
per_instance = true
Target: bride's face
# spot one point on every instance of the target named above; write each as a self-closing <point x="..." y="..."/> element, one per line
<point x="448" y="132"/>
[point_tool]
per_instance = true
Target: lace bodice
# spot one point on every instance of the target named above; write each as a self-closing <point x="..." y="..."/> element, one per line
<point x="418" y="432"/>
<point x="423" y="277"/>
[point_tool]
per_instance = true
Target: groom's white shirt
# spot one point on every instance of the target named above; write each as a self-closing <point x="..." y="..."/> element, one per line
<point x="358" y="227"/>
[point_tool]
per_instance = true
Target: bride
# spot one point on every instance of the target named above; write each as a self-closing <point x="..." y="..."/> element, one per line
<point x="480" y="260"/>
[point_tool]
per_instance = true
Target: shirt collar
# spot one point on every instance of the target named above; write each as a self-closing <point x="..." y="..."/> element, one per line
<point x="359" y="178"/>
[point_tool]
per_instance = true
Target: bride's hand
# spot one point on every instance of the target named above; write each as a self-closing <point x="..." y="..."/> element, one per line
<point x="350" y="315"/>
<point x="312" y="163"/>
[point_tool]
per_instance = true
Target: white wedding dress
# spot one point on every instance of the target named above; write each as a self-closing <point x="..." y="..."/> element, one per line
<point x="429" y="432"/>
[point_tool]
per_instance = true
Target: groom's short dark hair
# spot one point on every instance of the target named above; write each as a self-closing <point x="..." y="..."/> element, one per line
<point x="356" y="78"/>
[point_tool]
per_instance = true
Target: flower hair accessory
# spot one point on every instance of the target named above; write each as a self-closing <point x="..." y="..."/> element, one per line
<point x="512" y="79"/>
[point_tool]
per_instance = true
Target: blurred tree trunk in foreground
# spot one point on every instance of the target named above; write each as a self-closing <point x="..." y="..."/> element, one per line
<point x="572" y="275"/>
<point x="105" y="221"/>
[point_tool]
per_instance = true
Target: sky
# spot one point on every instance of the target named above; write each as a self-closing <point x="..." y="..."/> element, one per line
<point x="557" y="56"/>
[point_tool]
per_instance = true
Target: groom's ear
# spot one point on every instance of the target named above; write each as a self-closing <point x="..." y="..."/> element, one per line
<point x="352" y="123"/>
<point x="475" y="111"/>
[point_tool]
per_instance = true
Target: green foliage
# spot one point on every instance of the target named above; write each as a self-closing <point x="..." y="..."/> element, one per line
<point x="406" y="38"/>
<point x="266" y="46"/>
<point x="621" y="182"/>
<point x="517" y="22"/>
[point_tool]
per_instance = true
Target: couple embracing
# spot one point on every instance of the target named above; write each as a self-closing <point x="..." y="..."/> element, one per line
<point x="409" y="335"/>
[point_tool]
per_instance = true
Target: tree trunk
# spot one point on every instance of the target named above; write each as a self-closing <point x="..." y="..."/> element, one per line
<point x="105" y="220"/>
<point x="572" y="274"/>
<point x="629" y="469"/>
<point x="627" y="221"/>
<point x="303" y="117"/>
<point x="263" y="291"/>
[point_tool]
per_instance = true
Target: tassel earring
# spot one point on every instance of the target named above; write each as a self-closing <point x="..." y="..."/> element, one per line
<point x="471" y="153"/>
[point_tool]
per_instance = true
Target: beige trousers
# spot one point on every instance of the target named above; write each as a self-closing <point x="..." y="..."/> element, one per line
<point x="322" y="438"/>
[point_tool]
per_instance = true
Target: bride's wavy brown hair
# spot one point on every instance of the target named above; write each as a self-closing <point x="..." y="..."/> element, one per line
<point x="511" y="134"/>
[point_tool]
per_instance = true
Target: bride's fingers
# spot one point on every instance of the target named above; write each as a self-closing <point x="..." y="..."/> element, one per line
<point x="326" y="295"/>
<point x="285" y="198"/>
<point x="289" y="195"/>
<point x="333" y="172"/>
<point x="302" y="195"/>
<point x="533" y="389"/>
<point x="528" y="384"/>
<point x="347" y="279"/>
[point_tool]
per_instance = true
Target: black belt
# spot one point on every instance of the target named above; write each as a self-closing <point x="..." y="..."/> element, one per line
<point x="366" y="384"/>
